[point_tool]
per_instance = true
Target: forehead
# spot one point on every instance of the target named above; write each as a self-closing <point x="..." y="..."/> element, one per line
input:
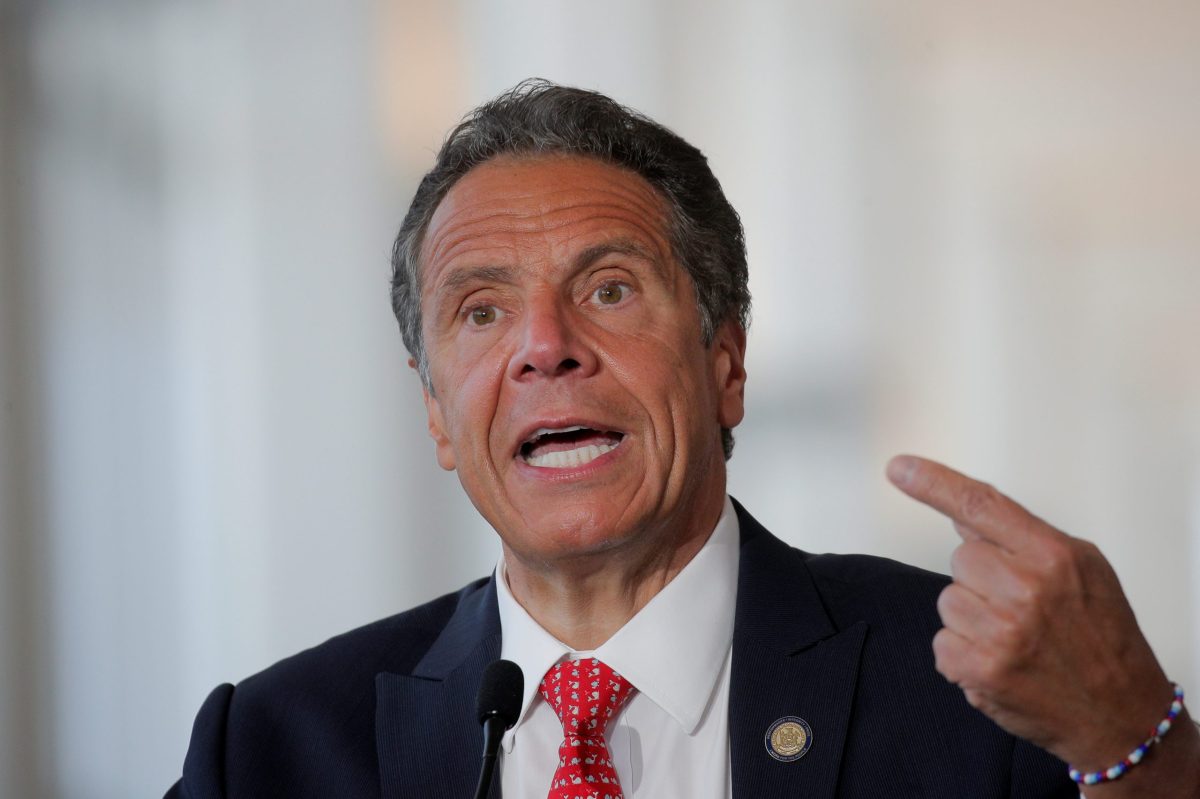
<point x="510" y="203"/>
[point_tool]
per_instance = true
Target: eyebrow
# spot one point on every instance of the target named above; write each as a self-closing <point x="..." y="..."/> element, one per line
<point x="476" y="274"/>
<point x="444" y="293"/>
<point x="621" y="246"/>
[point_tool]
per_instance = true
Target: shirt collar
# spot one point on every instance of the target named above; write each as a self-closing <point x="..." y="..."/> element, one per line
<point x="526" y="643"/>
<point x="672" y="651"/>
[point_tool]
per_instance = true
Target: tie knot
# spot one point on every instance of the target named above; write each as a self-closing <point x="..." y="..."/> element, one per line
<point x="585" y="694"/>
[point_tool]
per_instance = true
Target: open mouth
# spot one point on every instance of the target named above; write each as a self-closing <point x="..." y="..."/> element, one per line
<point x="568" y="447"/>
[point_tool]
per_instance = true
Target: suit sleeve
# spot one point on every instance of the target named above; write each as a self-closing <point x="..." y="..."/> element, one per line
<point x="1037" y="774"/>
<point x="204" y="766"/>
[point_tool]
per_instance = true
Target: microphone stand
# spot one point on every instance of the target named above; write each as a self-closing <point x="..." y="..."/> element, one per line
<point x="493" y="733"/>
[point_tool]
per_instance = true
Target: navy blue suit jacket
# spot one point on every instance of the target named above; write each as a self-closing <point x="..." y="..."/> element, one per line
<point x="843" y="641"/>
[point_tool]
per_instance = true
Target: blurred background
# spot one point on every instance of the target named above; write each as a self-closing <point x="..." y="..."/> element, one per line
<point x="974" y="233"/>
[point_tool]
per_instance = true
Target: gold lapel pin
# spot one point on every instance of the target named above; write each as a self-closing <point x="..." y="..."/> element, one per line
<point x="788" y="739"/>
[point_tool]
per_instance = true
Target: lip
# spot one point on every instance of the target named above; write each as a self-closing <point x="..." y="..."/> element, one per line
<point x="558" y="423"/>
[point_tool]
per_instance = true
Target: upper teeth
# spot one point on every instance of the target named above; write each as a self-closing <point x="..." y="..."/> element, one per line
<point x="568" y="458"/>
<point x="542" y="431"/>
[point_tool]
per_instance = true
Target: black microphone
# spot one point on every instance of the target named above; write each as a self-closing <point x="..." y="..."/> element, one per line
<point x="497" y="706"/>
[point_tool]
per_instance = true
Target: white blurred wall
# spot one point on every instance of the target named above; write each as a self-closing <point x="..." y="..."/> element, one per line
<point x="973" y="234"/>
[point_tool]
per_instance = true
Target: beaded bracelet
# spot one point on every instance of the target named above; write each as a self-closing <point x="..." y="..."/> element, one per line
<point x="1134" y="757"/>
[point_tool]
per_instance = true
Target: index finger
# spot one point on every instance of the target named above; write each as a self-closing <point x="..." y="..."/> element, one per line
<point x="969" y="502"/>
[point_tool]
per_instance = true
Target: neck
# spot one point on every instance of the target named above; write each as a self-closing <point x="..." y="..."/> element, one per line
<point x="583" y="601"/>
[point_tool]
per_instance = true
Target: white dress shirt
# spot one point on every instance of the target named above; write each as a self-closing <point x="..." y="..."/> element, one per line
<point x="672" y="737"/>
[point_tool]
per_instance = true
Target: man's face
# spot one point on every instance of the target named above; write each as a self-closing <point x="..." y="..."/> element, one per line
<point x="571" y="389"/>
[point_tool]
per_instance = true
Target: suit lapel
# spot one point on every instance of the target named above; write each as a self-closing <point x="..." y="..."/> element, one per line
<point x="789" y="659"/>
<point x="428" y="738"/>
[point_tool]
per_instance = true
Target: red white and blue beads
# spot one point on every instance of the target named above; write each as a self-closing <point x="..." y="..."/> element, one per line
<point x="1134" y="757"/>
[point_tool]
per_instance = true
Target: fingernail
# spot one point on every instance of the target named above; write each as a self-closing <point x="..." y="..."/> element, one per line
<point x="900" y="469"/>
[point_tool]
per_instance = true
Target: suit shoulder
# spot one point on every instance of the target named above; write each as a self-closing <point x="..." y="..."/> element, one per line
<point x="889" y="595"/>
<point x="877" y="590"/>
<point x="392" y="644"/>
<point x="263" y="733"/>
<point x="863" y="571"/>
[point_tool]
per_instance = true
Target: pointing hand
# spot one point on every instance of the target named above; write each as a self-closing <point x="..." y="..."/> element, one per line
<point x="1039" y="635"/>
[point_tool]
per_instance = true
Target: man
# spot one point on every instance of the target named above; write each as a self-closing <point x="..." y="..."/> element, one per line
<point x="571" y="284"/>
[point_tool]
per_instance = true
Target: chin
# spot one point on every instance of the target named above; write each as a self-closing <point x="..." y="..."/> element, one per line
<point x="571" y="532"/>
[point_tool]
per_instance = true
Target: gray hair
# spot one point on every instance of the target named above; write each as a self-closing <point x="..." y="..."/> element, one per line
<point x="539" y="117"/>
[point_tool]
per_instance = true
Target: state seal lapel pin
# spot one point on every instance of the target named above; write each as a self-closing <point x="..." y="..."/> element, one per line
<point x="788" y="739"/>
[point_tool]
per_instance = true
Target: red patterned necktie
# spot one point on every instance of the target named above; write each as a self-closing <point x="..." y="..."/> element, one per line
<point x="585" y="694"/>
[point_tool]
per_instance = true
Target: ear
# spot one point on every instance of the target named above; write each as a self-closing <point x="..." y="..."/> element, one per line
<point x="729" y="371"/>
<point x="437" y="427"/>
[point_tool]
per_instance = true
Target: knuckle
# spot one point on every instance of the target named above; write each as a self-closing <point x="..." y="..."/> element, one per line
<point x="974" y="698"/>
<point x="968" y="553"/>
<point x="978" y="565"/>
<point x="1027" y="591"/>
<point x="978" y="503"/>
<point x="1092" y="570"/>
<point x="1011" y="639"/>
<point x="992" y="670"/>
<point x="1059" y="562"/>
<point x="958" y="559"/>
<point x="1058" y="554"/>
<point x="945" y="601"/>
<point x="1012" y="646"/>
<point x="941" y="641"/>
<point x="1087" y="553"/>
<point x="943" y="659"/>
<point x="964" y="532"/>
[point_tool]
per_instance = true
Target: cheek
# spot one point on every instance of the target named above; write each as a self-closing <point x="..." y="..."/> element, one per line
<point x="695" y="394"/>
<point x="476" y="398"/>
<point x="672" y="382"/>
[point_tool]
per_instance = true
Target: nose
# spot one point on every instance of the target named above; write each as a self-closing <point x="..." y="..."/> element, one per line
<point x="549" y="343"/>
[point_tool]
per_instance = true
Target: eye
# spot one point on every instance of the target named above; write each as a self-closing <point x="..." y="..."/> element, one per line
<point x="483" y="315"/>
<point x="611" y="293"/>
